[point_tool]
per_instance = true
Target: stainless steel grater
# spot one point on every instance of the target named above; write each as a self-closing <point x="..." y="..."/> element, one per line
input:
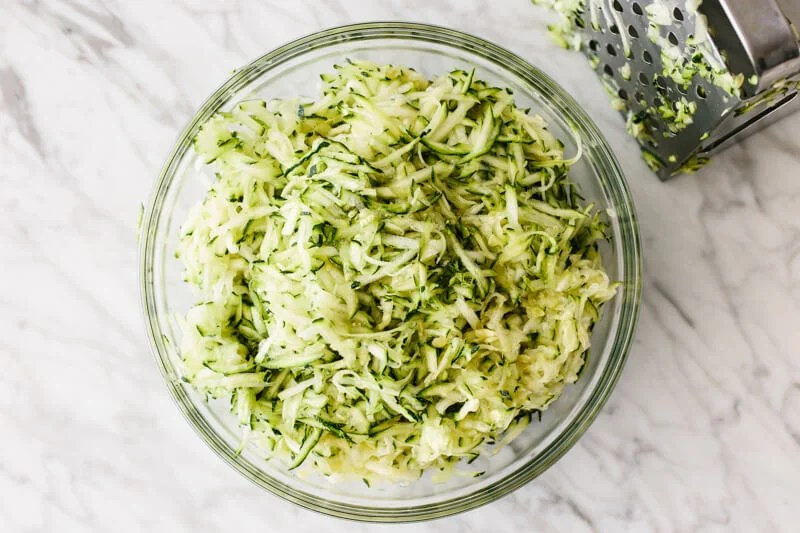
<point x="697" y="115"/>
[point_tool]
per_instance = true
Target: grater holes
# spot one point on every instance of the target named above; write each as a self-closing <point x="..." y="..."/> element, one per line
<point x="617" y="6"/>
<point x="701" y="91"/>
<point x="672" y="38"/>
<point x="611" y="50"/>
<point x="677" y="14"/>
<point x="647" y="58"/>
<point x="608" y="70"/>
<point x="639" y="96"/>
<point x="593" y="45"/>
<point x="622" y="93"/>
<point x="637" y="8"/>
<point x="632" y="32"/>
<point x="681" y="89"/>
<point x="614" y="29"/>
<point x="643" y="79"/>
<point x="661" y="82"/>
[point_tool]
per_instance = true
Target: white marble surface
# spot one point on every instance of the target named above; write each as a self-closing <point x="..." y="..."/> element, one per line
<point x="702" y="433"/>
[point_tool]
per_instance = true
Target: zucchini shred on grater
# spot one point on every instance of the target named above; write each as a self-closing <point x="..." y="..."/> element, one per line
<point x="691" y="78"/>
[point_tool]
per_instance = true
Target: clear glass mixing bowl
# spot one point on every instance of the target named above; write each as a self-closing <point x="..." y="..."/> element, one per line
<point x="293" y="70"/>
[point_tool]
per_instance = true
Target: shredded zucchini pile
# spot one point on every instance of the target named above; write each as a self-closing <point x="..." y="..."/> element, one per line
<point x="390" y="277"/>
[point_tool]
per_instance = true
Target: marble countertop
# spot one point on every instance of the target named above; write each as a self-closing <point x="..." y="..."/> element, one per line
<point x="701" y="434"/>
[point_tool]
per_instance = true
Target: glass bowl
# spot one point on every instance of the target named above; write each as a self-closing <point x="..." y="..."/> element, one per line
<point x="293" y="70"/>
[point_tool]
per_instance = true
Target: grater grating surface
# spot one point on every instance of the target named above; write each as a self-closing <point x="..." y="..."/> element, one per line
<point x="680" y="120"/>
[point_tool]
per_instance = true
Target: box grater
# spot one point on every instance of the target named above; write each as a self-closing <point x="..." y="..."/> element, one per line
<point x="682" y="115"/>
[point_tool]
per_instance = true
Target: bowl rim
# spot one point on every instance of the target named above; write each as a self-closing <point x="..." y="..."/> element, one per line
<point x="616" y="187"/>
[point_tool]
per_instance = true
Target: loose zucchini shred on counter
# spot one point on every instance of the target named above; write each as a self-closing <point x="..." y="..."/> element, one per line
<point x="390" y="277"/>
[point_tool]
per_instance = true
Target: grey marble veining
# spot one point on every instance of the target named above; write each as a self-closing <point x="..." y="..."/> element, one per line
<point x="702" y="433"/>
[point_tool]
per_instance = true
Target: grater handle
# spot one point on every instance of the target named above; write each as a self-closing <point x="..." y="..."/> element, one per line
<point x="767" y="44"/>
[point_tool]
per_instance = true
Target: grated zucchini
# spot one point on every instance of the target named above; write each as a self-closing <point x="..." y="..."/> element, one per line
<point x="390" y="276"/>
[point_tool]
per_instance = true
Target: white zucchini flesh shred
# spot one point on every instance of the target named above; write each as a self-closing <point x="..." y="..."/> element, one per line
<point x="389" y="277"/>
